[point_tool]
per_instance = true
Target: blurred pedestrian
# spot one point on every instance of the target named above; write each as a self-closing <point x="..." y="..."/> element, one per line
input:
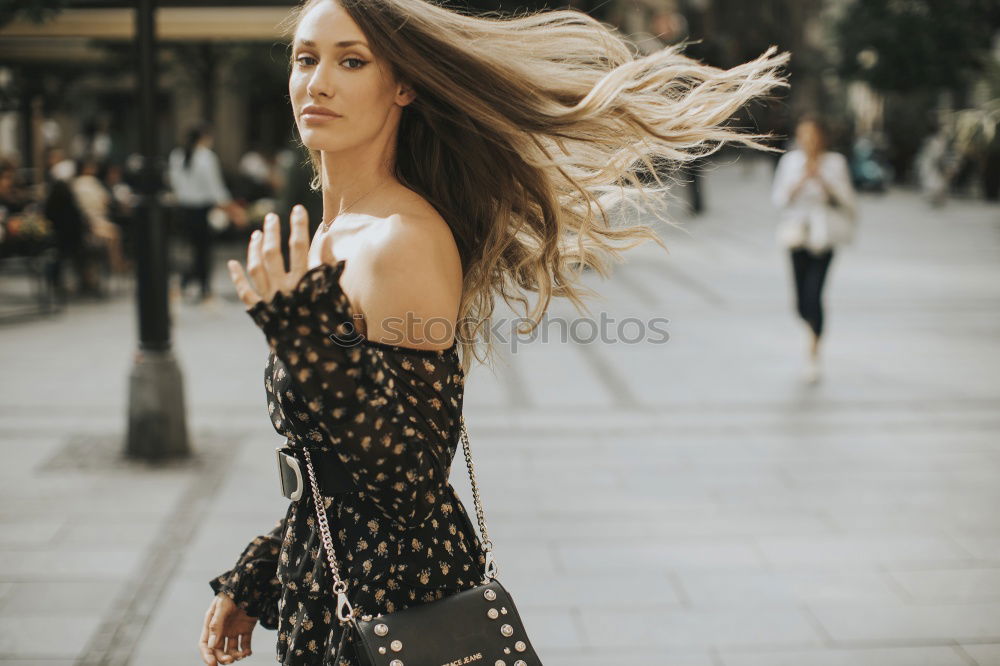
<point x="70" y="226"/>
<point x="813" y="189"/>
<point x="94" y="200"/>
<point x="936" y="165"/>
<point x="122" y="205"/>
<point x="195" y="176"/>
<point x="93" y="142"/>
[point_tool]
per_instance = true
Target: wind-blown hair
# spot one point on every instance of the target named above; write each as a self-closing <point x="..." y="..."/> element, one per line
<point x="527" y="130"/>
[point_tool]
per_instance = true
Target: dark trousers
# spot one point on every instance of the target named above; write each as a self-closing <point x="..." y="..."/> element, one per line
<point x="810" y="274"/>
<point x="76" y="258"/>
<point x="194" y="221"/>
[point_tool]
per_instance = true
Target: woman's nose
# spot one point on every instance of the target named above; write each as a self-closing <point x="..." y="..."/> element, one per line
<point x="319" y="83"/>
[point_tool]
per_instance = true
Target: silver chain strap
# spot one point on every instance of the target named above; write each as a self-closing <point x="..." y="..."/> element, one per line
<point x="491" y="563"/>
<point x="344" y="609"/>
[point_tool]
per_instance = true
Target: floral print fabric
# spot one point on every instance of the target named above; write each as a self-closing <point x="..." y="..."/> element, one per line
<point x="391" y="416"/>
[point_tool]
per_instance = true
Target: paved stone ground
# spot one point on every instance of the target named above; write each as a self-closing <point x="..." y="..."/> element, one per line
<point x="691" y="503"/>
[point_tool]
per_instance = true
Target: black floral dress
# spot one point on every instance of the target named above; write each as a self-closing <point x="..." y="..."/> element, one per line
<point x="390" y="415"/>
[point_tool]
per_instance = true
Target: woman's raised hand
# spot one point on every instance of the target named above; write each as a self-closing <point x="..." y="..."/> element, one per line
<point x="266" y="265"/>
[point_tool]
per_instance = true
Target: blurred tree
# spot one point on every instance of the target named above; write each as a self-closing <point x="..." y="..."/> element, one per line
<point x="898" y="46"/>
<point x="911" y="51"/>
<point x="727" y="33"/>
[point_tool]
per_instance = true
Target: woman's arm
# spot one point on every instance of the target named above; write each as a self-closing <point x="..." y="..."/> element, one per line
<point x="252" y="583"/>
<point x="788" y="180"/>
<point x="380" y="413"/>
<point x="838" y="186"/>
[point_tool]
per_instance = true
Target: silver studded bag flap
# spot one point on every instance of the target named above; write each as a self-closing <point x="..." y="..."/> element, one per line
<point x="478" y="626"/>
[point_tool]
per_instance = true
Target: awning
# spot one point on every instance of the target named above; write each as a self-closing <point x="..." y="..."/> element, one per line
<point x="173" y="24"/>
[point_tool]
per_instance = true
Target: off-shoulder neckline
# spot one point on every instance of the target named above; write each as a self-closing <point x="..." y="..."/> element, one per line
<point x="336" y="269"/>
<point x="409" y="350"/>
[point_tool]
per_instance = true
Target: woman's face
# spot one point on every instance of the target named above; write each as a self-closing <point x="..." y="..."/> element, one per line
<point x="334" y="69"/>
<point x="809" y="138"/>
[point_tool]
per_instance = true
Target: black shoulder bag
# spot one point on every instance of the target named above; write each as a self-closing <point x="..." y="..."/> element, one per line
<point x="478" y="626"/>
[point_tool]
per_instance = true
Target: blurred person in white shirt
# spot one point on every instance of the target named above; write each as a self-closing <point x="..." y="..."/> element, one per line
<point x="813" y="190"/>
<point x="195" y="177"/>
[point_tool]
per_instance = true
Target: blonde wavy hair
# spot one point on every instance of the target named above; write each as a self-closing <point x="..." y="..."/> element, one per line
<point x="528" y="130"/>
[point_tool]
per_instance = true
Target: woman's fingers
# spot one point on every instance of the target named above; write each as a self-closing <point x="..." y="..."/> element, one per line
<point x="236" y="647"/>
<point x="216" y="638"/>
<point x="222" y="650"/>
<point x="256" y="268"/>
<point x="298" y="242"/>
<point x="273" y="262"/>
<point x="206" y="653"/>
<point x="247" y="295"/>
<point x="232" y="653"/>
<point x="265" y="264"/>
<point x="245" y="644"/>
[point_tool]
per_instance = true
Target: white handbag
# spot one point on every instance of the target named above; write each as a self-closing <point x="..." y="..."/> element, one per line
<point x="831" y="226"/>
<point x="792" y="233"/>
<point x="822" y="229"/>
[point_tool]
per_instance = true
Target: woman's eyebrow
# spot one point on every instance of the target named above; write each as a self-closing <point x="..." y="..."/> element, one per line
<point x="349" y="42"/>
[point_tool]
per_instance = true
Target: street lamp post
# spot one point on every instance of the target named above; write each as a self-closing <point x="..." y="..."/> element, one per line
<point x="157" y="425"/>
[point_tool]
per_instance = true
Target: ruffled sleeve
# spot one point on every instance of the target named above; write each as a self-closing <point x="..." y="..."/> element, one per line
<point x="253" y="583"/>
<point x="380" y="413"/>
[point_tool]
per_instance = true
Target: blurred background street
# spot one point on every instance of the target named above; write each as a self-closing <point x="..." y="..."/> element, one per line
<point x="705" y="500"/>
<point x="694" y="502"/>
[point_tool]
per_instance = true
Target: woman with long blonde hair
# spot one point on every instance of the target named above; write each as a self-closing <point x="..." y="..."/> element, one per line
<point x="460" y="158"/>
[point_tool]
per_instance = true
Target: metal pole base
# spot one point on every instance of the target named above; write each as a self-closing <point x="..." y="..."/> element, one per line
<point x="157" y="424"/>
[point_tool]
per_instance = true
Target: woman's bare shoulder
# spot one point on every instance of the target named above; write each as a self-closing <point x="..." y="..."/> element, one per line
<point x="413" y="290"/>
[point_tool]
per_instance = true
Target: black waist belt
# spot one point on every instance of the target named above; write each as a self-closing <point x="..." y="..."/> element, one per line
<point x="331" y="475"/>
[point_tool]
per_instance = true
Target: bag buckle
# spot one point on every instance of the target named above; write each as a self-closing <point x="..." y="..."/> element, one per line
<point x="290" y="474"/>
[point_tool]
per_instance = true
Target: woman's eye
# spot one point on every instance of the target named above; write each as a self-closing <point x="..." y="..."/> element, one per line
<point x="357" y="60"/>
<point x="301" y="58"/>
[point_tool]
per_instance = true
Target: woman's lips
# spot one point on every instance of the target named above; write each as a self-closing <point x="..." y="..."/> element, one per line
<point x="317" y="117"/>
<point x="314" y="113"/>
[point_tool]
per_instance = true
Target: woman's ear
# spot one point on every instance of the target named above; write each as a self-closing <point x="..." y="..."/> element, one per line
<point x="405" y="95"/>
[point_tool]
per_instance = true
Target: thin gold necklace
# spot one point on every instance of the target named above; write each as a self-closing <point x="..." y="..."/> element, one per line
<point x="326" y="225"/>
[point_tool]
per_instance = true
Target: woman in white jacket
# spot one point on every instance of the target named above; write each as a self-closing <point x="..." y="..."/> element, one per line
<point x="813" y="190"/>
<point x="195" y="176"/>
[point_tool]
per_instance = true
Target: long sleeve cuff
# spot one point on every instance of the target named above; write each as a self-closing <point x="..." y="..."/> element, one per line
<point x="317" y="301"/>
<point x="253" y="583"/>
